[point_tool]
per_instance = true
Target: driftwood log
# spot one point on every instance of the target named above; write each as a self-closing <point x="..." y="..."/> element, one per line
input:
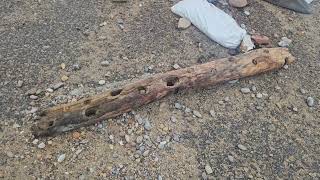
<point x="115" y="102"/>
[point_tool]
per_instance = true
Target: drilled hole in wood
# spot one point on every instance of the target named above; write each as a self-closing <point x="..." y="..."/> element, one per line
<point x="171" y="81"/>
<point x="87" y="101"/>
<point x="255" y="62"/>
<point x="286" y="61"/>
<point x="50" y="123"/>
<point x="116" y="92"/>
<point x="142" y="90"/>
<point x="43" y="113"/>
<point x="90" y="112"/>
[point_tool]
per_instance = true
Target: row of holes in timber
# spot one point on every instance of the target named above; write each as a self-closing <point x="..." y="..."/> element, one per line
<point x="171" y="81"/>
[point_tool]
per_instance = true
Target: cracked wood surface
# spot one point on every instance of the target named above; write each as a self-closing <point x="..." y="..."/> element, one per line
<point x="115" y="102"/>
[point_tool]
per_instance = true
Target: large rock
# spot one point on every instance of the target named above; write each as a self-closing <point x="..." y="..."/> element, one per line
<point x="238" y="3"/>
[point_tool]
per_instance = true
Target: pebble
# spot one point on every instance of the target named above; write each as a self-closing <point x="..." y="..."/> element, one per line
<point x="259" y="95"/>
<point x="20" y="83"/>
<point x="173" y="119"/>
<point x="295" y="109"/>
<point x="120" y="23"/>
<point x="57" y="86"/>
<point x="204" y="176"/>
<point x="10" y="154"/>
<point x="259" y="108"/>
<point x="61" y="158"/>
<point x="285" y="42"/>
<point x="176" y="66"/>
<point x="103" y="24"/>
<point x="111" y="137"/>
<point x="162" y="144"/>
<point x="230" y="158"/>
<point x="177" y="106"/>
<point x="64" y="78"/>
<point x="35" y="141"/>
<point x="184" y="23"/>
<point x="246" y="44"/>
<point x="245" y="90"/>
<point x="39" y="91"/>
<point x="127" y="138"/>
<point x="310" y="101"/>
<point x="15" y="125"/>
<point x="260" y="39"/>
<point x="286" y="67"/>
<point x="63" y="65"/>
<point x="212" y="113"/>
<point x="33" y="110"/>
<point x="147" y="125"/>
<point x="31" y="91"/>
<point x="76" y="67"/>
<point x="139" y="120"/>
<point x="247" y="13"/>
<point x="197" y="114"/>
<point x="176" y="137"/>
<point x="303" y="91"/>
<point x="238" y="3"/>
<point x="33" y="97"/>
<point x="139" y="139"/>
<point x="76" y="92"/>
<point x="242" y="147"/>
<point x="49" y="90"/>
<point x="76" y="135"/>
<point x="187" y="110"/>
<point x="254" y="88"/>
<point x="146" y="153"/>
<point x="208" y="169"/>
<point x="243" y="26"/>
<point x="102" y="82"/>
<point x="41" y="145"/>
<point x="104" y="63"/>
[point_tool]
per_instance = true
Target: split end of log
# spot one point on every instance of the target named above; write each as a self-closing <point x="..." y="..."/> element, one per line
<point x="113" y="103"/>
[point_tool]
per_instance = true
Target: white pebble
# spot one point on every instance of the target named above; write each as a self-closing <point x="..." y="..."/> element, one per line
<point x="208" y="169"/>
<point x="61" y="158"/>
<point x="197" y="114"/>
<point x="242" y="147"/>
<point x="259" y="96"/>
<point x="176" y="66"/>
<point x="102" y="82"/>
<point x="41" y="145"/>
<point x="245" y="90"/>
<point x="310" y="101"/>
<point x="35" y="141"/>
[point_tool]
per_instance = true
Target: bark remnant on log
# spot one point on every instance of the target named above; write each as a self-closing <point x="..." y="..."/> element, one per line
<point x="115" y="102"/>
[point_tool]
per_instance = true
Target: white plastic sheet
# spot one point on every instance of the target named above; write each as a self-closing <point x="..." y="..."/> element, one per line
<point x="212" y="21"/>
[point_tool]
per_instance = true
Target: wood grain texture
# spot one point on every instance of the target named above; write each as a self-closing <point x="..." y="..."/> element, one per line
<point x="115" y="102"/>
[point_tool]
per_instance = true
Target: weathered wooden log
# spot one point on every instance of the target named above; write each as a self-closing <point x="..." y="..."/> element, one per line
<point x="115" y="102"/>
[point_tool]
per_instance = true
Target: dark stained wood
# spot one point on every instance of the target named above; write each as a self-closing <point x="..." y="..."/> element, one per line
<point x="115" y="102"/>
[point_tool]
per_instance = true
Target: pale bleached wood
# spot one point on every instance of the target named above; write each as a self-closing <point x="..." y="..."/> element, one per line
<point x="115" y="102"/>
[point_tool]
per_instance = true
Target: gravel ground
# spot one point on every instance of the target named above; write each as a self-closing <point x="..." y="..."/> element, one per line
<point x="272" y="132"/>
